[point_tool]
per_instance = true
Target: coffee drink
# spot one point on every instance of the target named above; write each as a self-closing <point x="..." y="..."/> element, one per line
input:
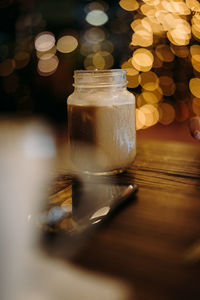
<point x="102" y="138"/>
<point x="101" y="122"/>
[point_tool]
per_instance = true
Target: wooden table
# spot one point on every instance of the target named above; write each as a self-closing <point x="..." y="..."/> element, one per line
<point x="154" y="242"/>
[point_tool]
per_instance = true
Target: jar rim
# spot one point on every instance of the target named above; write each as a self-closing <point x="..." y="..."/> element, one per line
<point x="100" y="78"/>
<point x="100" y="72"/>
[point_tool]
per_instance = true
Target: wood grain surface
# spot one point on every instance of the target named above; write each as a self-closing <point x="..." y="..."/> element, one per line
<point x="154" y="242"/>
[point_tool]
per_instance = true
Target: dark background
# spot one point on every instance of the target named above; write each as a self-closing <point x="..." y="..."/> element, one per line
<point x="27" y="92"/>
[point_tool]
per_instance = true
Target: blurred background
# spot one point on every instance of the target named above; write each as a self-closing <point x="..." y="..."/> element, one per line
<point x="156" y="41"/>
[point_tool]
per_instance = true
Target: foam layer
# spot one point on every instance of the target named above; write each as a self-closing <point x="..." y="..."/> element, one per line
<point x="100" y="97"/>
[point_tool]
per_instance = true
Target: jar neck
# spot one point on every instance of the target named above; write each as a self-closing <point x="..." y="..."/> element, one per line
<point x="99" y="89"/>
<point x="100" y="79"/>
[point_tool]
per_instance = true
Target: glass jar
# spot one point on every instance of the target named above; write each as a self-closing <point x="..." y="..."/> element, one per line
<point x="101" y="122"/>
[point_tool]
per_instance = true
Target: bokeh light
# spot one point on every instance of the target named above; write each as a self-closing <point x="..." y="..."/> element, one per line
<point x="99" y="60"/>
<point x="166" y="113"/>
<point x="140" y="119"/>
<point x="94" y="35"/>
<point x="129" y="5"/>
<point x="196" y="106"/>
<point x="167" y="85"/>
<point x="44" y="41"/>
<point x="94" y="44"/>
<point x="21" y="59"/>
<point x="97" y="17"/>
<point x="151" y="114"/>
<point x="100" y="5"/>
<point x="48" y="66"/>
<point x="195" y="87"/>
<point x="180" y="51"/>
<point x="67" y="44"/>
<point x="164" y="68"/>
<point x="164" y="53"/>
<point x="149" y="81"/>
<point x="142" y="60"/>
<point x="46" y="54"/>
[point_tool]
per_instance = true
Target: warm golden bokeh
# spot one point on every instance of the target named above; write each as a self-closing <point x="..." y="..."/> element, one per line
<point x="98" y="61"/>
<point x="180" y="51"/>
<point x="166" y="113"/>
<point x="195" y="87"/>
<point x="149" y="81"/>
<point x="67" y="44"/>
<point x="142" y="60"/>
<point x="46" y="54"/>
<point x="140" y="119"/>
<point x="129" y="5"/>
<point x="152" y="97"/>
<point x="151" y="114"/>
<point x="48" y="66"/>
<point x="165" y="63"/>
<point x="164" y="53"/>
<point x="167" y="85"/>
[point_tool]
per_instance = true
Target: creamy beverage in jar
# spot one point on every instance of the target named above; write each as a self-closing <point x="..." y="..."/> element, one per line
<point x="101" y="122"/>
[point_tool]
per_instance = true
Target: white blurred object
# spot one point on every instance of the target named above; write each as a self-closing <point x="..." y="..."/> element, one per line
<point x="27" y="154"/>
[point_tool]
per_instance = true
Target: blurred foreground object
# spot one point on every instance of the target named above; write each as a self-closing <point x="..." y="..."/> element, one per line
<point x="27" y="155"/>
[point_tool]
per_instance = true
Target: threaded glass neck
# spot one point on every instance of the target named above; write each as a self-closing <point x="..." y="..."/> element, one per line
<point x="99" y="78"/>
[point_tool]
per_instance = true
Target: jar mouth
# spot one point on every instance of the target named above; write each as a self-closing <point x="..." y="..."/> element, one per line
<point x="99" y="78"/>
<point x="100" y="72"/>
